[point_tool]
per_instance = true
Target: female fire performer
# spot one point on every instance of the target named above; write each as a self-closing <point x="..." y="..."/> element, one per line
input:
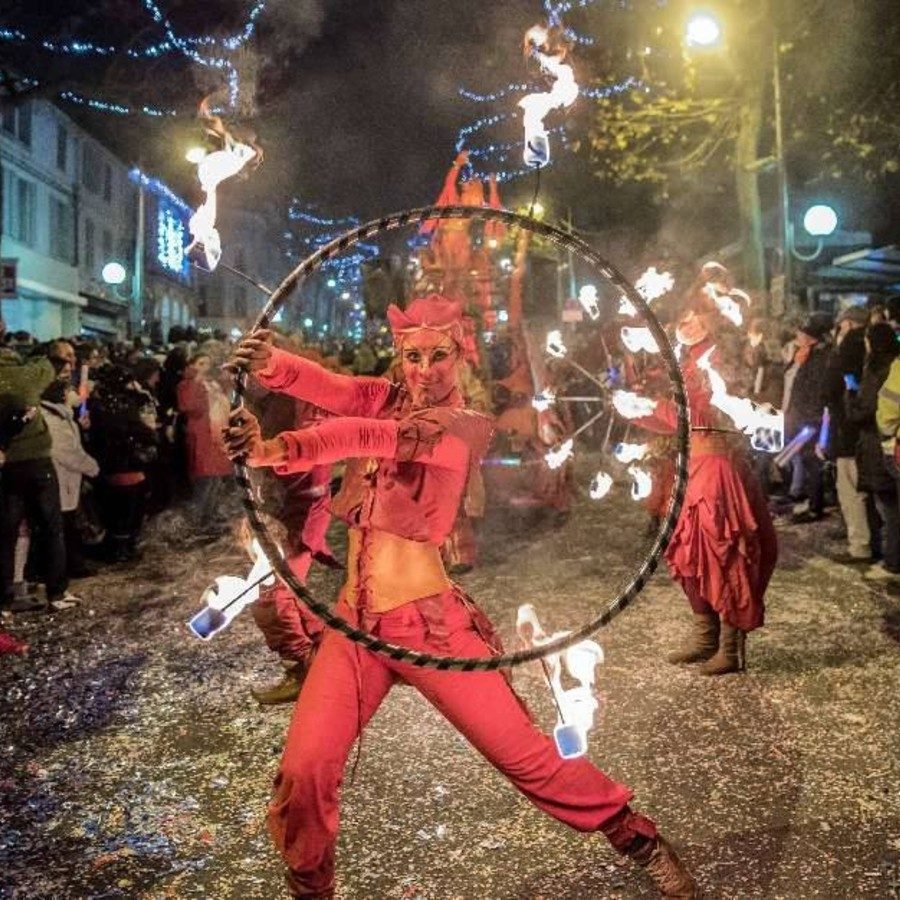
<point x="410" y="449"/>
<point x="724" y="548"/>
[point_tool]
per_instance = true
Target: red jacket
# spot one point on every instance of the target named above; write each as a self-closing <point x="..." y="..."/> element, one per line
<point x="420" y="458"/>
<point x="206" y="452"/>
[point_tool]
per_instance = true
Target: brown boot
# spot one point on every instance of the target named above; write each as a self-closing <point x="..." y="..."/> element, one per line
<point x="667" y="871"/>
<point x="730" y="655"/>
<point x="702" y="643"/>
<point x="285" y="691"/>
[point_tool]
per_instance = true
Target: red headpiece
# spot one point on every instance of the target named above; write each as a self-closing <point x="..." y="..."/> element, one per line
<point x="433" y="312"/>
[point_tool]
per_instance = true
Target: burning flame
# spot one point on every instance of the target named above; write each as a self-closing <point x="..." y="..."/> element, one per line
<point x="587" y="297"/>
<point x="652" y="284"/>
<point x="600" y="486"/>
<point x="557" y="456"/>
<point x="637" y="339"/>
<point x="535" y="107"/>
<point x="554" y="345"/>
<point x="229" y="594"/>
<point x="632" y="406"/>
<point x="765" y="426"/>
<point x="577" y="706"/>
<point x="626" y="307"/>
<point x="544" y="400"/>
<point x="212" y="170"/>
<point x="643" y="483"/>
<point x="629" y="453"/>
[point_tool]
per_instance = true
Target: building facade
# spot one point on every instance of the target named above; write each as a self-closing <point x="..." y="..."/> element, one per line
<point x="69" y="207"/>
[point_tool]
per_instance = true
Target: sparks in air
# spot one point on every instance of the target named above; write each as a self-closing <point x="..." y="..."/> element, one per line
<point x="535" y="107"/>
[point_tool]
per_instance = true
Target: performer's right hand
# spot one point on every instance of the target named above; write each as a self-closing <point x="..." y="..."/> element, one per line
<point x="252" y="353"/>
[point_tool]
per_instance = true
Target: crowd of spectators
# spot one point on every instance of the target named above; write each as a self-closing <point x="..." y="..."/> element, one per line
<point x="94" y="437"/>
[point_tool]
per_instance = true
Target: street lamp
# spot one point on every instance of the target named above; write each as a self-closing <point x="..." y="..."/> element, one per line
<point x="703" y="30"/>
<point x="114" y="274"/>
<point x="819" y="222"/>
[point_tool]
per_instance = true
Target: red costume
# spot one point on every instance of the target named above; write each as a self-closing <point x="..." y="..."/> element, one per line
<point x="724" y="547"/>
<point x="407" y="468"/>
<point x="206" y="455"/>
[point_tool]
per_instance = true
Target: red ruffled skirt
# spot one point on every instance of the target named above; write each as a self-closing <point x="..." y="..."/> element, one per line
<point x="725" y="539"/>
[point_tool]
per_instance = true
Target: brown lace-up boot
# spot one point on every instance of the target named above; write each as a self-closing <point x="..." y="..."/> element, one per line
<point x="730" y="655"/>
<point x="667" y="871"/>
<point x="702" y="643"/>
<point x="288" y="689"/>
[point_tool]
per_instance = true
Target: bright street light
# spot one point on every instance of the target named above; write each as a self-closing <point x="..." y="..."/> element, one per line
<point x="703" y="31"/>
<point x="195" y="155"/>
<point x="820" y="220"/>
<point x="114" y="273"/>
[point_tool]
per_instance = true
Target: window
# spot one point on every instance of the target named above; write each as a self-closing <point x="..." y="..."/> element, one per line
<point x="16" y="120"/>
<point x="90" y="168"/>
<point x="24" y="209"/>
<point x="24" y="125"/>
<point x="62" y="147"/>
<point x="62" y="230"/>
<point x="107" y="182"/>
<point x="90" y="259"/>
<point x="107" y="245"/>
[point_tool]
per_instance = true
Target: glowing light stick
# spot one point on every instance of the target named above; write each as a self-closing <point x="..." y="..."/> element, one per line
<point x="637" y="339"/>
<point x="587" y="297"/>
<point x="600" y="486"/>
<point x="535" y="107"/>
<point x="632" y="406"/>
<point x="629" y="453"/>
<point x="652" y="284"/>
<point x="795" y="445"/>
<point x="556" y="456"/>
<point x="83" y="389"/>
<point x="229" y="595"/>
<point x="765" y="426"/>
<point x="212" y="170"/>
<point x="643" y="483"/>
<point x="577" y="706"/>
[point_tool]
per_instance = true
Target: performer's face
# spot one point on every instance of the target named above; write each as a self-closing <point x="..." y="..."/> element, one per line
<point x="691" y="329"/>
<point x="430" y="360"/>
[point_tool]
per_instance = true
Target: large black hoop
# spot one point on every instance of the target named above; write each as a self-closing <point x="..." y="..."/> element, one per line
<point x="567" y="242"/>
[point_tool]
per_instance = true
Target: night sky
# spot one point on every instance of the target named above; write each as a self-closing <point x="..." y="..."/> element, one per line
<point x="358" y="110"/>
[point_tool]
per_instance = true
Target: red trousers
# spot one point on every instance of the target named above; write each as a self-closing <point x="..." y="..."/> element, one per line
<point x="289" y="628"/>
<point x="346" y="686"/>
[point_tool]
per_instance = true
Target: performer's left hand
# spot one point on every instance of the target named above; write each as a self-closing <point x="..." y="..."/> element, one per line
<point x="244" y="441"/>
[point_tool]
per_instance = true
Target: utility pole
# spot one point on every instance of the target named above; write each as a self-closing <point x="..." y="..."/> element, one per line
<point x="137" y="278"/>
<point x="784" y="203"/>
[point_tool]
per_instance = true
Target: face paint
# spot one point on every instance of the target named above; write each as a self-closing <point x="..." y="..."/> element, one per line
<point x="430" y="361"/>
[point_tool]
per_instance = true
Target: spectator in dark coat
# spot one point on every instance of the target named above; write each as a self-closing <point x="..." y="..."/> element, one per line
<point x="804" y="404"/>
<point x="845" y="368"/>
<point x="874" y="477"/>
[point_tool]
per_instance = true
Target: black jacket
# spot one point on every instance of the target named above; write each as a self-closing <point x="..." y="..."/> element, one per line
<point x="807" y="398"/>
<point x="845" y="359"/>
<point x="860" y="410"/>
